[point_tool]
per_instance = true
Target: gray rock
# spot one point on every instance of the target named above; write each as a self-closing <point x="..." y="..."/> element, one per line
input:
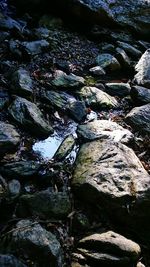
<point x="104" y="129"/>
<point x="108" y="48"/>
<point x="140" y="95"/>
<point x="22" y="83"/>
<point x="35" y="47"/>
<point x="30" y="117"/>
<point x="96" y="98"/>
<point x="62" y="80"/>
<point x="42" y="32"/>
<point x="39" y="244"/>
<point x="20" y="169"/>
<point x="118" y="89"/>
<point x="97" y="71"/>
<point x="139" y="118"/>
<point x="108" y="62"/>
<point x="109" y="249"/>
<point x="45" y="204"/>
<point x="111" y="176"/>
<point x="65" y="147"/>
<point x="15" y="48"/>
<point x="8" y="23"/>
<point x="123" y="58"/>
<point x="130" y="50"/>
<point x="8" y="260"/>
<point x="77" y="110"/>
<point x="14" y="188"/>
<point x="9" y="137"/>
<point x="143" y="70"/>
<point x="4" y="99"/>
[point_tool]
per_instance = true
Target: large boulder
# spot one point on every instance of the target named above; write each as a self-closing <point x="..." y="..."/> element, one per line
<point x="30" y="117"/>
<point x="143" y="70"/>
<point x="109" y="249"/>
<point x="111" y="176"/>
<point x="133" y="15"/>
<point x="9" y="137"/>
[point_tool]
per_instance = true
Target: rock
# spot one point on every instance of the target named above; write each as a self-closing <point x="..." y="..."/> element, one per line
<point x="140" y="95"/>
<point x="139" y="118"/>
<point x="118" y="89"/>
<point x="45" y="204"/>
<point x="7" y="23"/>
<point x="80" y="222"/>
<point x="77" y="110"/>
<point x="30" y="117"/>
<point x="140" y="265"/>
<point x="4" y="99"/>
<point x="104" y="129"/>
<point x="9" y="137"/>
<point x="108" y="62"/>
<point x="123" y="58"/>
<point x="42" y="33"/>
<point x="109" y="249"/>
<point x="108" y="48"/>
<point x="22" y="83"/>
<point x="96" y="98"/>
<point x="3" y="36"/>
<point x="35" y="47"/>
<point x="8" y="260"/>
<point x="20" y="169"/>
<point x="97" y="71"/>
<point x="14" y="188"/>
<point x="65" y="147"/>
<point x="143" y="70"/>
<point x="15" y="48"/>
<point x="39" y="244"/>
<point x="3" y="189"/>
<point x="62" y="80"/>
<point x="111" y="176"/>
<point x="130" y="50"/>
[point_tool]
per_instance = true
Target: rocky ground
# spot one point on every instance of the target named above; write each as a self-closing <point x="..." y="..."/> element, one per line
<point x="74" y="139"/>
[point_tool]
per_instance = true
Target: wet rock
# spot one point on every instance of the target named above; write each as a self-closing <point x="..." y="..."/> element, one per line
<point x="14" y="188"/>
<point x="22" y="83"/>
<point x="9" y="137"/>
<point x="20" y="169"/>
<point x="108" y="62"/>
<point x="39" y="244"/>
<point x="45" y="204"/>
<point x="8" y="260"/>
<point x="140" y="95"/>
<point x="35" y="47"/>
<point x="77" y="110"/>
<point x="111" y="176"/>
<point x="30" y="117"/>
<point x="97" y="71"/>
<point x="4" y="99"/>
<point x="96" y="98"/>
<point x="130" y="50"/>
<point x="123" y="58"/>
<point x="109" y="249"/>
<point x="65" y="148"/>
<point x="118" y="89"/>
<point x="139" y="118"/>
<point x="62" y="80"/>
<point x="104" y="129"/>
<point x="143" y="70"/>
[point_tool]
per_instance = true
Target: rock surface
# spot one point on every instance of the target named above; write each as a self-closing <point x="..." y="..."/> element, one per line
<point x="62" y="80"/>
<point x="22" y="83"/>
<point x="30" y="117"/>
<point x="139" y="118"/>
<point x="10" y="261"/>
<point x="140" y="95"/>
<point x="104" y="129"/>
<point x="65" y="148"/>
<point x="143" y="70"/>
<point x="108" y="62"/>
<point x="118" y="89"/>
<point x="9" y="137"/>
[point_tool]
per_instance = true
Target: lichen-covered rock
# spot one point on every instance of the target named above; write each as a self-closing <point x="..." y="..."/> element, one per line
<point x="63" y="80"/>
<point x="104" y="129"/>
<point x="108" y="62"/>
<point x="140" y="95"/>
<point x="96" y="98"/>
<point x="143" y="70"/>
<point x="109" y="249"/>
<point x="39" y="244"/>
<point x="139" y="118"/>
<point x="30" y="117"/>
<point x="45" y="204"/>
<point x="9" y="137"/>
<point x="112" y="176"/>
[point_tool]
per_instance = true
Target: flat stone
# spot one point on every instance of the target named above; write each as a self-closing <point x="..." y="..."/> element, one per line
<point x="9" y="137"/>
<point x="143" y="70"/>
<point x="63" y="80"/>
<point x="96" y="98"/>
<point x="30" y="117"/>
<point x="139" y="118"/>
<point x="103" y="129"/>
<point x="140" y="95"/>
<point x="118" y="89"/>
<point x="108" y="62"/>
